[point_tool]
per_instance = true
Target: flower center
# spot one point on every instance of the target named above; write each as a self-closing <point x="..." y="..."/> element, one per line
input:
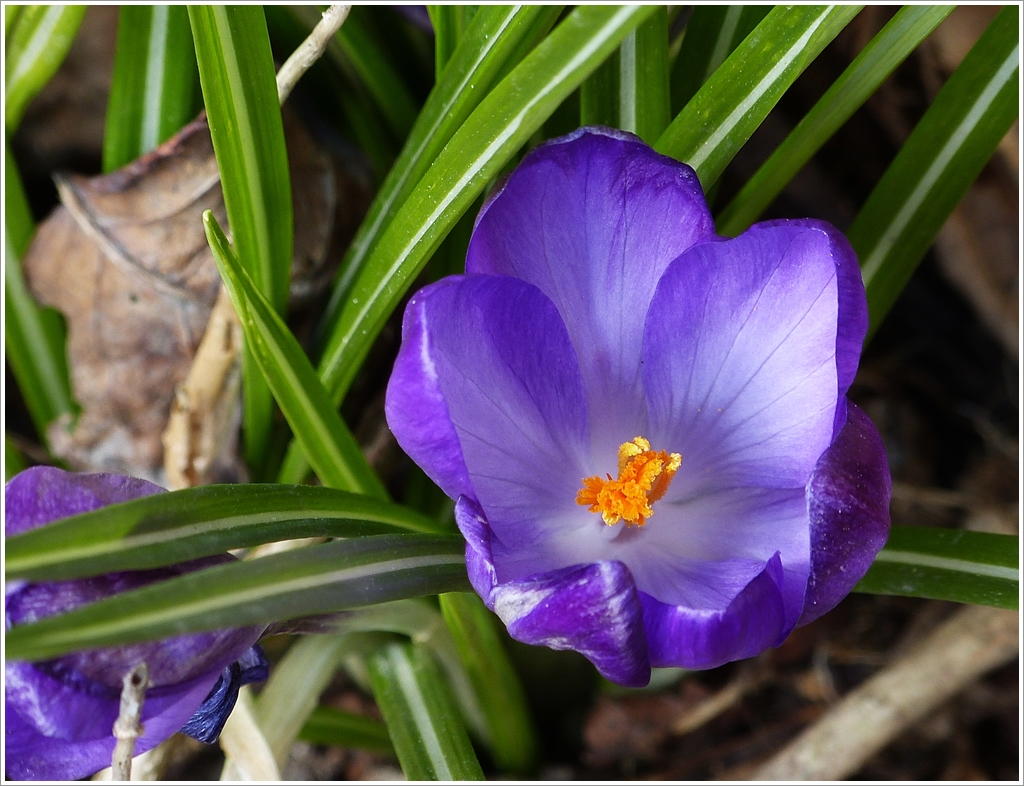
<point x="644" y="477"/>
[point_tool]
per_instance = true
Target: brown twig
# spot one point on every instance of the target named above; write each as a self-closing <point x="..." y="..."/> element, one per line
<point x="972" y="642"/>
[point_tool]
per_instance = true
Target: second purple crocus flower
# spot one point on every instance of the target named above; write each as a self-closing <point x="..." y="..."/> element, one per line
<point x="645" y="426"/>
<point x="59" y="714"/>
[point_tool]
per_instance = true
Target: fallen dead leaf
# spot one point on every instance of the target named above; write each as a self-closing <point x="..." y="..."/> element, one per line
<point x="125" y="259"/>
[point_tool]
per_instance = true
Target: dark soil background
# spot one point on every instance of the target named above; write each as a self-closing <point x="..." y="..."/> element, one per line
<point x="940" y="380"/>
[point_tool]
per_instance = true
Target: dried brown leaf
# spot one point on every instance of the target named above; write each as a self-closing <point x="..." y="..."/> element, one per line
<point x="125" y="260"/>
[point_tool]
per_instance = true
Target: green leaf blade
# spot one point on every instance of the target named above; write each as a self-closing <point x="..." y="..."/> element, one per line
<point x="422" y="719"/>
<point x="935" y="167"/>
<point x="306" y="405"/>
<point x="872" y="66"/>
<point x="322" y="579"/>
<point x="236" y="71"/>
<point x="154" y="90"/>
<point x="644" y="79"/>
<point x="494" y="680"/>
<point x="730" y="106"/>
<point x="33" y="336"/>
<point x="956" y="565"/>
<point x="166" y="529"/>
<point x="39" y="39"/>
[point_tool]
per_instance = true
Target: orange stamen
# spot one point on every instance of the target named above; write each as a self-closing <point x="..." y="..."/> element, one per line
<point x="644" y="477"/>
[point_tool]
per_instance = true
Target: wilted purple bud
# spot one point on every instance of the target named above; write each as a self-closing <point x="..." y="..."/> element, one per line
<point x="60" y="713"/>
<point x="645" y="425"/>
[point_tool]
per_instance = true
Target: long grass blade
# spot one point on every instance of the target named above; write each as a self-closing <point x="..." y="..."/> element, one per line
<point x="872" y="66"/>
<point x="937" y="164"/>
<point x="182" y="525"/>
<point x="956" y="565"/>
<point x="306" y="405"/>
<point x="730" y="106"/>
<point x="322" y="579"/>
<point x="38" y="39"/>
<point x="154" y="91"/>
<point x="424" y="725"/>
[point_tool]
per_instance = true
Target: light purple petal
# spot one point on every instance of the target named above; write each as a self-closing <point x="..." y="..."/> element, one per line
<point x="593" y="219"/>
<point x="494" y="353"/>
<point x="701" y="639"/>
<point x="30" y="755"/>
<point x="593" y="609"/>
<point x="739" y="360"/>
<point x="479" y="561"/>
<point x="415" y="406"/>
<point x="40" y="495"/>
<point x="852" y="321"/>
<point x="848" y="499"/>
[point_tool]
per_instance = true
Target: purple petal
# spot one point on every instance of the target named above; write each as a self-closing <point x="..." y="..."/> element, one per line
<point x="852" y="321"/>
<point x="488" y="358"/>
<point x="848" y="499"/>
<point x="593" y="219"/>
<point x="700" y="639"/>
<point x="479" y="560"/>
<point x="739" y="360"/>
<point x="593" y="609"/>
<point x="207" y="722"/>
<point x="40" y="495"/>
<point x="30" y="755"/>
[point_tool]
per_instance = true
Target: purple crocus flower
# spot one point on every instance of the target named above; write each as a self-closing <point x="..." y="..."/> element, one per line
<point x="644" y="425"/>
<point x="60" y="713"/>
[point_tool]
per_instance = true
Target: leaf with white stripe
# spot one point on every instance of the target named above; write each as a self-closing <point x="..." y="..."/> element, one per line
<point x="937" y="164"/>
<point x="947" y="564"/>
<point x="428" y="736"/>
<point x="322" y="579"/>
<point x="164" y="529"/>
<point x="730" y="106"/>
<point x="154" y="90"/>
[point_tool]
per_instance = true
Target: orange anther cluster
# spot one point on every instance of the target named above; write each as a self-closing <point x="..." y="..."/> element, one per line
<point x="644" y="477"/>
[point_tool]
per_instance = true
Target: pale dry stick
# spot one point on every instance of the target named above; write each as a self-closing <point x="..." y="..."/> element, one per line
<point x="127" y="727"/>
<point x="310" y="50"/>
<point x="248" y="756"/>
<point x="972" y="642"/>
<point x="205" y="402"/>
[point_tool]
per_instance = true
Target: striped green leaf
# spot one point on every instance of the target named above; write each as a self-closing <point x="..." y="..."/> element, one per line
<point x="494" y="680"/>
<point x="154" y="90"/>
<point x="38" y="39"/>
<point x="422" y="720"/>
<point x="33" y="336"/>
<point x="307" y="407"/>
<point x="236" y="71"/>
<point x="937" y="164"/>
<point x="730" y="106"/>
<point x="957" y="565"/>
<point x="643" y="78"/>
<point x="711" y="35"/>
<point x="322" y="579"/>
<point x="181" y="525"/>
<point x="873" y="65"/>
<point x="449" y="23"/>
